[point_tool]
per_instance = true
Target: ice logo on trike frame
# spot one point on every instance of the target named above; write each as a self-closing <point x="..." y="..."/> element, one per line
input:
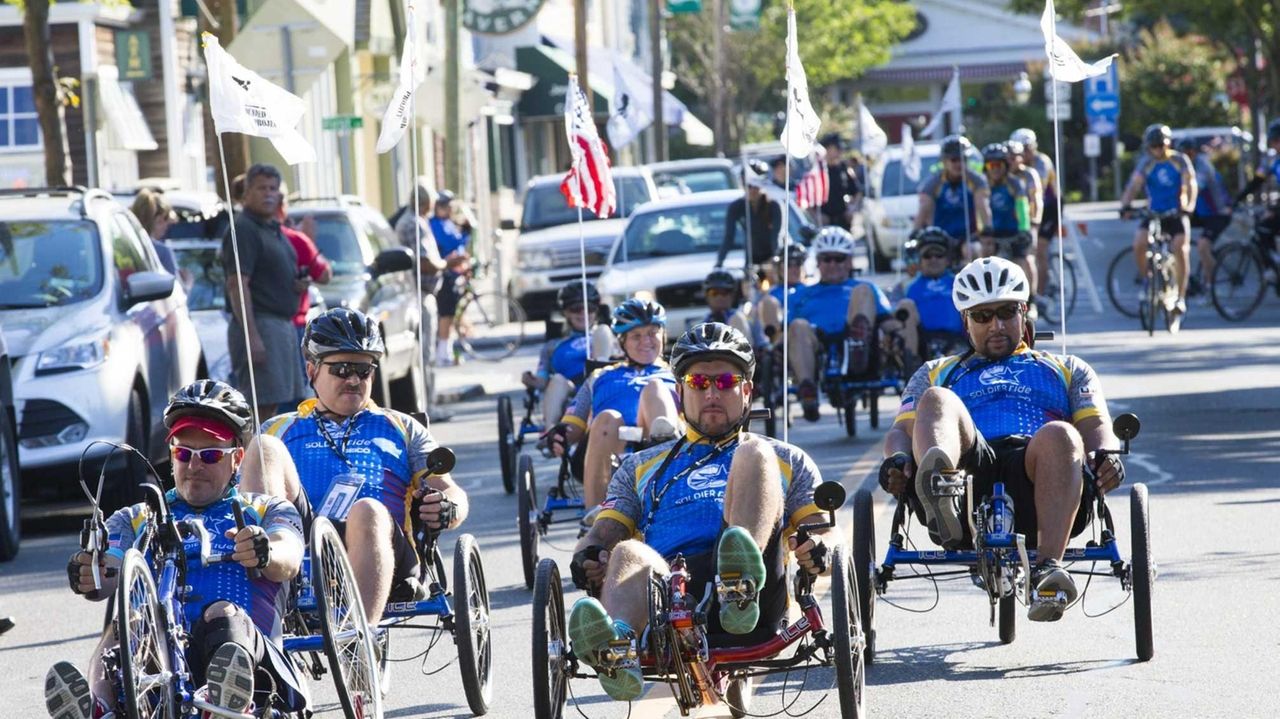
<point x="999" y="374"/>
<point x="707" y="478"/>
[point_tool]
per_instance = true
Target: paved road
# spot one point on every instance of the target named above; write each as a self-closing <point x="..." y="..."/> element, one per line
<point x="1209" y="400"/>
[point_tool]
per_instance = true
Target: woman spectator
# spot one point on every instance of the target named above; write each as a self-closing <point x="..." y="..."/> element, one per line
<point x="156" y="217"/>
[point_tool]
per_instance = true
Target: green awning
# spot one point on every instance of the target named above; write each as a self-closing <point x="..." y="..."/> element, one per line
<point x="551" y="66"/>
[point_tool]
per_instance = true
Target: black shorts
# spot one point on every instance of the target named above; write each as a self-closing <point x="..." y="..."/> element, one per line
<point x="448" y="295"/>
<point x="1171" y="226"/>
<point x="773" y="599"/>
<point x="1049" y="219"/>
<point x="1213" y="225"/>
<point x="1012" y="247"/>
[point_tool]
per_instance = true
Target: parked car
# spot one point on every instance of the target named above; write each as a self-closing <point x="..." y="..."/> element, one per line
<point x="548" y="254"/>
<point x="669" y="246"/>
<point x="10" y="485"/>
<point x="199" y="215"/>
<point x="99" y="336"/>
<point x="682" y="177"/>
<point x="373" y="273"/>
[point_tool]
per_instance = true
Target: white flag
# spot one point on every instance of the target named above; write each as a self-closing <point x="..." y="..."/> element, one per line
<point x="396" y="118"/>
<point x="950" y="103"/>
<point x="910" y="157"/>
<point x="874" y="139"/>
<point x="628" y="116"/>
<point x="1064" y="64"/>
<point x="241" y="101"/>
<point x="801" y="131"/>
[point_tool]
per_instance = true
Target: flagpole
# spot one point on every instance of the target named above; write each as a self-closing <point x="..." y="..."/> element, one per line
<point x="786" y="239"/>
<point x="425" y="399"/>
<point x="964" y="164"/>
<point x="1057" y="188"/>
<point x="575" y="87"/>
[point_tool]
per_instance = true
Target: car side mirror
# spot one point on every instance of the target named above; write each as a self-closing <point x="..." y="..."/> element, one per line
<point x="142" y="287"/>
<point x="507" y="224"/>
<point x="1126" y="426"/>
<point x="396" y="259"/>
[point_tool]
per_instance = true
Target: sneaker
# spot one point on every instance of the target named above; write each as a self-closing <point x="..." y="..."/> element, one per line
<point x="230" y="678"/>
<point x="595" y="638"/>
<point x="1052" y="591"/>
<point x="661" y="429"/>
<point x="66" y="693"/>
<point x="740" y="570"/>
<point x="408" y="589"/>
<point x="807" y="392"/>
<point x="941" y="497"/>
<point x="1180" y="307"/>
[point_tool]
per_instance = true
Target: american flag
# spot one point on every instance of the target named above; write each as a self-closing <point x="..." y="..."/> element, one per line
<point x="815" y="186"/>
<point x="589" y="183"/>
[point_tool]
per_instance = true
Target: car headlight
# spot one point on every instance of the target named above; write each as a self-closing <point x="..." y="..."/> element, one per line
<point x="535" y="260"/>
<point x="72" y="357"/>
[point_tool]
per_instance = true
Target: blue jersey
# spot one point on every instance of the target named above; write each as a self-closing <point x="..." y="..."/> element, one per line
<point x="262" y="599"/>
<point x="681" y="510"/>
<point x="953" y="201"/>
<point x="1016" y="395"/>
<point x="1163" y="179"/>
<point x="449" y="237"/>
<point x="826" y="307"/>
<point x="1005" y="195"/>
<point x="385" y="448"/>
<point x="1211" y="197"/>
<point x="932" y="296"/>
<point x="565" y="356"/>
<point x="616" y="387"/>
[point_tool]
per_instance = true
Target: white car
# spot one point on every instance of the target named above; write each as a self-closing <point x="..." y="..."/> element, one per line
<point x="670" y="246"/>
<point x="99" y="336"/>
<point x="683" y="177"/>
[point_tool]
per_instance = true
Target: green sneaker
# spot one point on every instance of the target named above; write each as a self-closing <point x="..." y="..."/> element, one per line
<point x="595" y="637"/>
<point x="740" y="571"/>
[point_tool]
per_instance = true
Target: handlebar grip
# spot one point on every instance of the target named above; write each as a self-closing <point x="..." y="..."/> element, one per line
<point x="235" y="507"/>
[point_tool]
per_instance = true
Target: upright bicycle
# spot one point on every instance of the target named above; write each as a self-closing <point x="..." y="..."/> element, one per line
<point x="490" y="326"/>
<point x="1241" y="274"/>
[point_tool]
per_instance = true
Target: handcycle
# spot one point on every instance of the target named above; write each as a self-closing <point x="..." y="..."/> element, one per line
<point x="511" y="438"/>
<point x="844" y="386"/>
<point x="1241" y="274"/>
<point x="360" y="655"/>
<point x="677" y="650"/>
<point x="1000" y="562"/>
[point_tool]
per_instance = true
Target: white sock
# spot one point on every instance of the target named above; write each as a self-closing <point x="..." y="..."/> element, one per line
<point x="444" y="350"/>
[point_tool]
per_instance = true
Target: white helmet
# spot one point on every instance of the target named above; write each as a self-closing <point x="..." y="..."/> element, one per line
<point x="833" y="240"/>
<point x="990" y="279"/>
<point x="1024" y="135"/>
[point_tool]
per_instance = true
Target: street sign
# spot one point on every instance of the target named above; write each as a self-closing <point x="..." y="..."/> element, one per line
<point x="1101" y="126"/>
<point x="1062" y="111"/>
<point x="1102" y="101"/>
<point x="1092" y="145"/>
<point x="744" y="14"/>
<point x="677" y="7"/>
<point x="133" y="54"/>
<point x="341" y="123"/>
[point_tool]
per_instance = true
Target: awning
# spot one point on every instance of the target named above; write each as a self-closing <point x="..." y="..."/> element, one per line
<point x="124" y="117"/>
<point x="551" y="67"/>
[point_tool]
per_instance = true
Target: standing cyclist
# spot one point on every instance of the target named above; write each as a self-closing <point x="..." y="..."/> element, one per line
<point x="1213" y="207"/>
<point x="1047" y="216"/>
<point x="955" y="197"/>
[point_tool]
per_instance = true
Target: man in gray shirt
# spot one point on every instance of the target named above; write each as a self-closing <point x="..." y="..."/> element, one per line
<point x="262" y="277"/>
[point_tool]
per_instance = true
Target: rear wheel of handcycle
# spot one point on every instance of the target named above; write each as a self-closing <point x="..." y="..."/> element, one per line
<point x="864" y="557"/>
<point x="1008" y="620"/>
<point x="471" y="632"/>
<point x="490" y="326"/>
<point x="550" y="642"/>
<point x="1122" y="280"/>
<point x="1142" y="570"/>
<point x="527" y="519"/>
<point x="1238" y="282"/>
<point x="348" y="638"/>
<point x="851" y="417"/>
<point x="506" y="440"/>
<point x="144" y="643"/>
<point x="846" y="627"/>
<point x="738" y="697"/>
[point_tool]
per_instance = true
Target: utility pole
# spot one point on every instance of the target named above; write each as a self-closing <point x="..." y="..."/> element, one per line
<point x="655" y="49"/>
<point x="452" y="131"/>
<point x="721" y="124"/>
<point x="580" y="51"/>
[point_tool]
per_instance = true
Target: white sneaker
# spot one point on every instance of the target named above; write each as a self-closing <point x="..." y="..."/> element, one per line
<point x="66" y="693"/>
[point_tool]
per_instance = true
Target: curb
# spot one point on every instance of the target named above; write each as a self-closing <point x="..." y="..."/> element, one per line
<point x="460" y="394"/>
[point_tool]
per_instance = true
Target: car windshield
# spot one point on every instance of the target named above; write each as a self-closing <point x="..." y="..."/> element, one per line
<point x="201" y="273"/>
<point x="684" y="231"/>
<point x="708" y="180"/>
<point x="49" y="263"/>
<point x="336" y="239"/>
<point x="895" y="183"/>
<point x="545" y="206"/>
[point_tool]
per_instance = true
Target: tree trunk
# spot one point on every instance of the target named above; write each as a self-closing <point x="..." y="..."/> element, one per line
<point x="49" y="111"/>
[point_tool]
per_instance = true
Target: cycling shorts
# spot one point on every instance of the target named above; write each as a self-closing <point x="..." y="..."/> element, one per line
<point x="1213" y="225"/>
<point x="449" y="294"/>
<point x="1012" y="247"/>
<point x="1171" y="226"/>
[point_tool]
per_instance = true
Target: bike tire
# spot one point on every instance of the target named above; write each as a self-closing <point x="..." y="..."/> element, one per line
<point x="1062" y="290"/>
<point x="850" y="416"/>
<point x="348" y="638"/>
<point x="481" y="333"/>
<point x="1238" y="282"/>
<point x="506" y="440"/>
<point x="1121" y="282"/>
<point x="527" y="519"/>
<point x="144" y="642"/>
<point x="1151" y="300"/>
<point x="550" y="642"/>
<point x="846" y="628"/>
<point x="1008" y="619"/>
<point x="864" y="559"/>
<point x="471" y="631"/>
<point x="1142" y="568"/>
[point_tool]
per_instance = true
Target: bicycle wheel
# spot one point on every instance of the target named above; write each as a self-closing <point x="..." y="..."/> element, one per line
<point x="1061" y="292"/>
<point x="506" y="444"/>
<point x="846" y="628"/>
<point x="1123" y="282"/>
<point x="527" y="519"/>
<point x="1142" y="570"/>
<point x="348" y="638"/>
<point x="1238" y="282"/>
<point x="1151" y="295"/>
<point x="471" y="633"/>
<point x="864" y="567"/>
<point x="145" y="669"/>
<point x="490" y="326"/>
<point x="550" y="643"/>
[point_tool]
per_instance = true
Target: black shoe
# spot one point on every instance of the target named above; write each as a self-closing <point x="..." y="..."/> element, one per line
<point x="808" y="395"/>
<point x="1052" y="591"/>
<point x="408" y="589"/>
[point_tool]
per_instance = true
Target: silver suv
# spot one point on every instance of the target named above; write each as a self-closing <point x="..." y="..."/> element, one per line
<point x="99" y="336"/>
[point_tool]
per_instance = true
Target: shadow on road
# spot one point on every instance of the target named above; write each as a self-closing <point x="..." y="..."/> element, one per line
<point x="940" y="662"/>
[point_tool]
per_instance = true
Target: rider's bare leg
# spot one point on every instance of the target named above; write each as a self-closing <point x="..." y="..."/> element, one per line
<point x="554" y="398"/>
<point x="1182" y="260"/>
<point x="862" y="302"/>
<point x="738" y="321"/>
<point x="1207" y="263"/>
<point x="368" y="541"/>
<point x="1140" y="250"/>
<point x="656" y="400"/>
<point x="942" y="421"/>
<point x="597" y="466"/>
<point x="1028" y="264"/>
<point x="277" y="477"/>
<point x="1054" y="463"/>
<point x="626" y="582"/>
<point x="1041" y="277"/>
<point x="100" y="681"/>
<point x="769" y="312"/>
<point x="909" y="329"/>
<point x="804" y="350"/>
<point x="753" y="496"/>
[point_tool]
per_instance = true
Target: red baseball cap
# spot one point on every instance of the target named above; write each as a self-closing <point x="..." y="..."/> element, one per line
<point x="220" y="431"/>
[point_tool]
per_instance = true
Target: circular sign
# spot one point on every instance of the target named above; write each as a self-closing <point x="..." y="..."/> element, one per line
<point x="498" y="17"/>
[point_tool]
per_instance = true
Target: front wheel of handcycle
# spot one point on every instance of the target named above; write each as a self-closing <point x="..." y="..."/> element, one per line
<point x="348" y="639"/>
<point x="550" y="642"/>
<point x="490" y="326"/>
<point x="506" y="442"/>
<point x="1238" y="282"/>
<point x="846" y="628"/>
<point x="864" y="558"/>
<point x="1142" y="568"/>
<point x="851" y="417"/>
<point x="144" y="643"/>
<point x="527" y="519"/>
<point x="471" y="633"/>
<point x="1008" y="618"/>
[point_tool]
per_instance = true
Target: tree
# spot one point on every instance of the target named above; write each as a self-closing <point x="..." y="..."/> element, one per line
<point x="50" y="95"/>
<point x="838" y="39"/>
<point x="1173" y="80"/>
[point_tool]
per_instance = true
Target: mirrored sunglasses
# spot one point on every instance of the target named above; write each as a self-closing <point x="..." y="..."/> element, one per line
<point x="723" y="382"/>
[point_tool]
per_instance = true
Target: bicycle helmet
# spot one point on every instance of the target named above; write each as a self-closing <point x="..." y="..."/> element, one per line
<point x="215" y="400"/>
<point x="571" y="294"/>
<point x="1015" y="147"/>
<point x="1273" y="130"/>
<point x="990" y="279"/>
<point x="931" y="235"/>
<point x="796" y="255"/>
<point x="1024" y="135"/>
<point x="955" y="146"/>
<point x="342" y="330"/>
<point x="444" y="197"/>
<point x="833" y="240"/>
<point x="1188" y="144"/>
<point x="636" y="312"/>
<point x="996" y="152"/>
<point x="720" y="279"/>
<point x="1156" y="135"/>
<point x="713" y="341"/>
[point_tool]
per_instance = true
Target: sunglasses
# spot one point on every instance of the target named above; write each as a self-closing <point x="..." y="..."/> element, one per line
<point x="832" y="259"/>
<point x="717" y="292"/>
<point x="343" y="370"/>
<point x="933" y="256"/>
<point x="1007" y="312"/>
<point x="723" y="382"/>
<point x="574" y="310"/>
<point x="213" y="455"/>
<point x="994" y="164"/>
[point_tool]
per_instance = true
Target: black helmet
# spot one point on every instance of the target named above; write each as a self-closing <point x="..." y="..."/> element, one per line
<point x="796" y="254"/>
<point x="720" y="279"/>
<point x="1273" y="130"/>
<point x="1156" y="135"/>
<point x="571" y="294"/>
<point x="215" y="400"/>
<point x="996" y="152"/>
<point x="932" y="235"/>
<point x="342" y="330"/>
<point x="1187" y="144"/>
<point x="955" y="146"/>
<point x="712" y="341"/>
<point x="636" y="312"/>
